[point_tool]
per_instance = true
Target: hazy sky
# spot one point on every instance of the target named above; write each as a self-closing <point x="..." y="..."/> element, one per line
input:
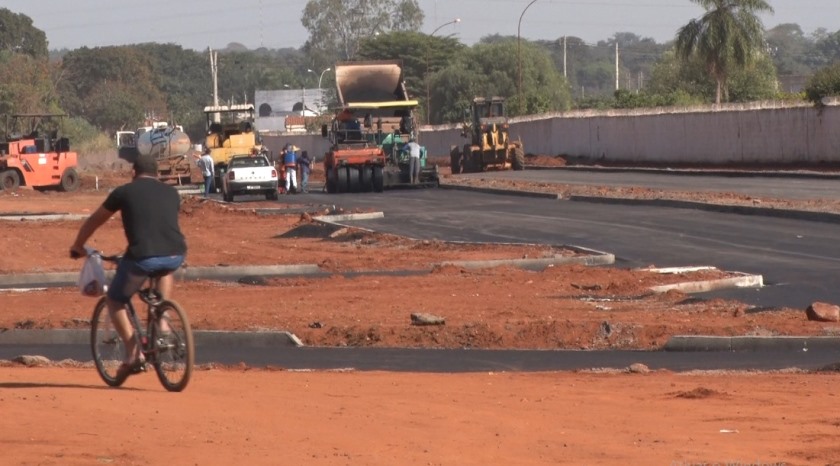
<point x="197" y="24"/>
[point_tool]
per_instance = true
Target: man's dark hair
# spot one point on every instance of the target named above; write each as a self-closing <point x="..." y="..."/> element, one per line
<point x="145" y="165"/>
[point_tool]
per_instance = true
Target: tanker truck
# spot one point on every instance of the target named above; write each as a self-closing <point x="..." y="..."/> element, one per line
<point x="169" y="144"/>
<point x="373" y="122"/>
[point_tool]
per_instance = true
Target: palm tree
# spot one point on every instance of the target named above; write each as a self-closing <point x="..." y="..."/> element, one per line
<point x="725" y="37"/>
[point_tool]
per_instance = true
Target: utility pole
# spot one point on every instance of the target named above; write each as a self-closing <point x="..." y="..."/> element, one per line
<point x="616" y="65"/>
<point x="564" y="57"/>
<point x="214" y="70"/>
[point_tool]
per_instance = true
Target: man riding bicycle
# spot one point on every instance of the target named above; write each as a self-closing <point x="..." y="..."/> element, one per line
<point x="156" y="246"/>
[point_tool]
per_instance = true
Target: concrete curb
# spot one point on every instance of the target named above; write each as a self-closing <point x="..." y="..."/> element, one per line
<point x="732" y="209"/>
<point x="592" y="258"/>
<point x="703" y="286"/>
<point x="42" y="217"/>
<point x="699" y="172"/>
<point x="507" y="192"/>
<point x="335" y="219"/>
<point x="229" y="339"/>
<point x="30" y="280"/>
<point x="750" y="343"/>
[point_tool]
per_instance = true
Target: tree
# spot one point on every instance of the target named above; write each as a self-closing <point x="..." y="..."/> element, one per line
<point x="824" y="83"/>
<point x="491" y="69"/>
<point x="728" y="36"/>
<point x="829" y="48"/>
<point x="681" y="82"/>
<point x="17" y="34"/>
<point x="421" y="54"/>
<point x="127" y="74"/>
<point x="336" y="27"/>
<point x="27" y="86"/>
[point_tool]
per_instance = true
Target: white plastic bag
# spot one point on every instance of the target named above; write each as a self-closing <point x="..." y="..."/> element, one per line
<point x="92" y="277"/>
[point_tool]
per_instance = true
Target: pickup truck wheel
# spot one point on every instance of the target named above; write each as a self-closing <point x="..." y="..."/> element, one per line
<point x="9" y="180"/>
<point x="69" y="180"/>
<point x="271" y="195"/>
<point x="228" y="197"/>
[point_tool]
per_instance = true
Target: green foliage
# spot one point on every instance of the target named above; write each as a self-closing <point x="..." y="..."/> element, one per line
<point x="632" y="99"/>
<point x="725" y="38"/>
<point x="125" y="76"/>
<point x="26" y="84"/>
<point x="183" y="79"/>
<point x="790" y="50"/>
<point x="18" y="35"/>
<point x="824" y="83"/>
<point x="754" y="81"/>
<point x="829" y="48"/>
<point x="337" y="27"/>
<point x="421" y="55"/>
<point x="86" y="138"/>
<point x="492" y="69"/>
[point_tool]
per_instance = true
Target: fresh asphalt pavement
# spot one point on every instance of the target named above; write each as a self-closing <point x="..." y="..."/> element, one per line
<point x="798" y="259"/>
<point x="425" y="360"/>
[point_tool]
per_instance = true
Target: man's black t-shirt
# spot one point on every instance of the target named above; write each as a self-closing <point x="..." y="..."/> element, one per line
<point x="150" y="218"/>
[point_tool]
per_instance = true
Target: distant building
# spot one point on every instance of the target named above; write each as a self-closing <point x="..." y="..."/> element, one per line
<point x="273" y="107"/>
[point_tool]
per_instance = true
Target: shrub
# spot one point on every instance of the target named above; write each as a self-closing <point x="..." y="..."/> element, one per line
<point x="824" y="83"/>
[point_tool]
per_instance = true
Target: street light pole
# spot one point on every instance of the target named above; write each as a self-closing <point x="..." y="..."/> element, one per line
<point x="322" y="77"/>
<point x="320" y="92"/>
<point x="519" y="53"/>
<point x="428" y="59"/>
<point x="303" y="111"/>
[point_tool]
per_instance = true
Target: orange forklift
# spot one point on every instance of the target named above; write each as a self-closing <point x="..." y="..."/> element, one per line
<point x="35" y="154"/>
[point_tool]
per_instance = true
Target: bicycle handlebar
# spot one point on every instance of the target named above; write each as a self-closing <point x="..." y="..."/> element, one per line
<point x="107" y="258"/>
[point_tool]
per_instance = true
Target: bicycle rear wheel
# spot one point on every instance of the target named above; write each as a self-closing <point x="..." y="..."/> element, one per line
<point x="173" y="346"/>
<point x="106" y="345"/>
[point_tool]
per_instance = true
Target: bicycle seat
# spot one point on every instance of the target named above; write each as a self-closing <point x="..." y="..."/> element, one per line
<point x="159" y="273"/>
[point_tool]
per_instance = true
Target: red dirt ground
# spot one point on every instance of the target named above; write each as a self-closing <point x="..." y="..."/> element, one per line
<point x="60" y="415"/>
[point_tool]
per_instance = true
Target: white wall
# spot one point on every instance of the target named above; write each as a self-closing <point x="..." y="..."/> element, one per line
<point x="767" y="132"/>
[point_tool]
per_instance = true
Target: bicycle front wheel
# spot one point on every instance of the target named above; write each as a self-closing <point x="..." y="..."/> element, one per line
<point x="173" y="346"/>
<point x="106" y="345"/>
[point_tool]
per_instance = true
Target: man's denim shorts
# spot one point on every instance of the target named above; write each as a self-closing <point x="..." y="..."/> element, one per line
<point x="131" y="274"/>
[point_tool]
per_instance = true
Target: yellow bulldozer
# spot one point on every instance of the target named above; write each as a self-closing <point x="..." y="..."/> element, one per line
<point x="490" y="147"/>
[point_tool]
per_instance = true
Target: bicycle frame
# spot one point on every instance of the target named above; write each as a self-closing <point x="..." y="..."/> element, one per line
<point x="165" y="341"/>
<point x="152" y="298"/>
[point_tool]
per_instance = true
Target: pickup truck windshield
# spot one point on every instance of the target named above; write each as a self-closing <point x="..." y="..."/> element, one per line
<point x="249" y="162"/>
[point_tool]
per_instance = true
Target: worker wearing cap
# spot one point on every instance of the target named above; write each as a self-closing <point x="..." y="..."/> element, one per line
<point x="289" y="162"/>
<point x="205" y="163"/>
<point x="413" y="150"/>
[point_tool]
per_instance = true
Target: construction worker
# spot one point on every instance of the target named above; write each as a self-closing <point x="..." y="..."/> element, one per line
<point x="305" y="168"/>
<point x="413" y="150"/>
<point x="205" y="163"/>
<point x="289" y="163"/>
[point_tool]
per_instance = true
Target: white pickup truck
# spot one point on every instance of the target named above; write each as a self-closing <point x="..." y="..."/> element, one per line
<point x="249" y="174"/>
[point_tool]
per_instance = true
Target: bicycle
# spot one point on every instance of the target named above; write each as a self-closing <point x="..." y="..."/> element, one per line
<point x="171" y="353"/>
